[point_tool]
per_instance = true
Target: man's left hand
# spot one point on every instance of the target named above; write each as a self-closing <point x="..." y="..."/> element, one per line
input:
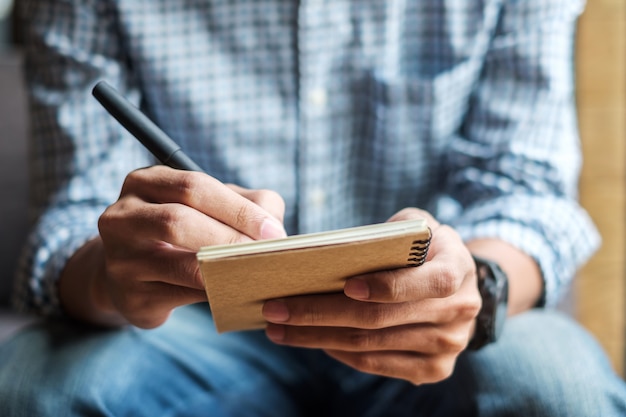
<point x="408" y="323"/>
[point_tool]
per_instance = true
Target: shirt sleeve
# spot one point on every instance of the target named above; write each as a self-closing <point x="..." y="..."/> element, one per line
<point x="79" y="156"/>
<point x="514" y="167"/>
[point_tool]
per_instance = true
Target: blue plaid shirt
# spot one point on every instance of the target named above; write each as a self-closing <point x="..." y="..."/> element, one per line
<point x="351" y="110"/>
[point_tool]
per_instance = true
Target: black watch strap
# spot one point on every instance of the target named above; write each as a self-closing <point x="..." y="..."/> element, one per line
<point x="494" y="289"/>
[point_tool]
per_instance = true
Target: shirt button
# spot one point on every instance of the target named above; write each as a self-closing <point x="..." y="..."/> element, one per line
<point x="318" y="197"/>
<point x="318" y="97"/>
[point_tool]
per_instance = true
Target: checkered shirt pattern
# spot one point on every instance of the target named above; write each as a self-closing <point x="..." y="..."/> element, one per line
<point x="351" y="110"/>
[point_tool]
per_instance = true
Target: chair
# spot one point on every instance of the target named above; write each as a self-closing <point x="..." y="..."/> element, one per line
<point x="13" y="184"/>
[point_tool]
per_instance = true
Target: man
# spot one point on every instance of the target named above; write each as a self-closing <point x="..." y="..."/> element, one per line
<point x="307" y="116"/>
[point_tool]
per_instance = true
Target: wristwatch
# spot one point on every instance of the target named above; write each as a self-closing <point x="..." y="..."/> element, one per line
<point x="493" y="285"/>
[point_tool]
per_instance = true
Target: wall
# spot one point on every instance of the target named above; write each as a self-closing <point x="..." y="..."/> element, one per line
<point x="601" y="71"/>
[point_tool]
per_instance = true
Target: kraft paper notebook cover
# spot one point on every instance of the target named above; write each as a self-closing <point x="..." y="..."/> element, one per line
<point x="240" y="278"/>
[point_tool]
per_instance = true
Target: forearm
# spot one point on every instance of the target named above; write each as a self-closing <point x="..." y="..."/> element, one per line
<point x="81" y="292"/>
<point x="525" y="279"/>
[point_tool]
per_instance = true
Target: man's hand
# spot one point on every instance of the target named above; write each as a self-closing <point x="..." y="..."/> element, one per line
<point x="144" y="263"/>
<point x="409" y="323"/>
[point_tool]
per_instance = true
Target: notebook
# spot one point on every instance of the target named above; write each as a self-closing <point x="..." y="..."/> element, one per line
<point x="239" y="278"/>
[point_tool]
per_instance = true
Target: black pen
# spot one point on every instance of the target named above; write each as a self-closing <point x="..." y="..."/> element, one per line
<point x="141" y="127"/>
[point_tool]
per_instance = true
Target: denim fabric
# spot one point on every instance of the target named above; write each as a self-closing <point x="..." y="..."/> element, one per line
<point x="544" y="365"/>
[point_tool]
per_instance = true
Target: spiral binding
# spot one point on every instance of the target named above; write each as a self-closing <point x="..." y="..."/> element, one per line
<point x="418" y="253"/>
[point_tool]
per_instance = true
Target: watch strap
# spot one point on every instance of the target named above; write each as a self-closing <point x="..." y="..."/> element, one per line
<point x="493" y="288"/>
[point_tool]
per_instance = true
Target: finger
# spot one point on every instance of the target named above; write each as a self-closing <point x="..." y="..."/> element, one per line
<point x="176" y="224"/>
<point x="152" y="303"/>
<point x="160" y="184"/>
<point x="422" y="338"/>
<point x="410" y="213"/>
<point x="267" y="199"/>
<point x="418" y="369"/>
<point x="160" y="263"/>
<point x="448" y="267"/>
<point x="337" y="310"/>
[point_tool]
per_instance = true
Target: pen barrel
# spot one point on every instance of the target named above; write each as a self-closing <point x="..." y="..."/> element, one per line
<point x="142" y="128"/>
<point x="180" y="160"/>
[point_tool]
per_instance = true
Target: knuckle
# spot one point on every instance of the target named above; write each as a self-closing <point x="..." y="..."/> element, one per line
<point x="470" y="309"/>
<point x="196" y="273"/>
<point x="445" y="283"/>
<point x="368" y="363"/>
<point x="105" y="221"/>
<point x="110" y="222"/>
<point x="187" y="184"/>
<point x="242" y="216"/>
<point x="451" y="342"/>
<point x="113" y="219"/>
<point x="394" y="286"/>
<point x="110" y="214"/>
<point x="468" y="305"/>
<point x="308" y="315"/>
<point x="376" y="316"/>
<point x="361" y="338"/>
<point x="133" y="180"/>
<point x="438" y="369"/>
<point x="168" y="220"/>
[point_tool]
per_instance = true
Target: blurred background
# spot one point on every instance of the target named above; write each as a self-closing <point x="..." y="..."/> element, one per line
<point x="598" y="296"/>
<point x="7" y="35"/>
<point x="13" y="175"/>
<point x="600" y="291"/>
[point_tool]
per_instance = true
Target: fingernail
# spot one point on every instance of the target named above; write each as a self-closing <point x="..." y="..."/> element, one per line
<point x="275" y="332"/>
<point x="272" y="229"/>
<point x="276" y="311"/>
<point x="357" y="288"/>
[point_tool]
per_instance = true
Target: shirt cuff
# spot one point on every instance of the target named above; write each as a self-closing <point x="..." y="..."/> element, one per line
<point x="55" y="240"/>
<point x="559" y="236"/>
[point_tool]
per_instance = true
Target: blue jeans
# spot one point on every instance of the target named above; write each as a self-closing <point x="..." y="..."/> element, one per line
<point x="545" y="365"/>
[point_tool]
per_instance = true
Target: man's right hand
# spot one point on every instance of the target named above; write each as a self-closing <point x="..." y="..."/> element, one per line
<point x="144" y="264"/>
